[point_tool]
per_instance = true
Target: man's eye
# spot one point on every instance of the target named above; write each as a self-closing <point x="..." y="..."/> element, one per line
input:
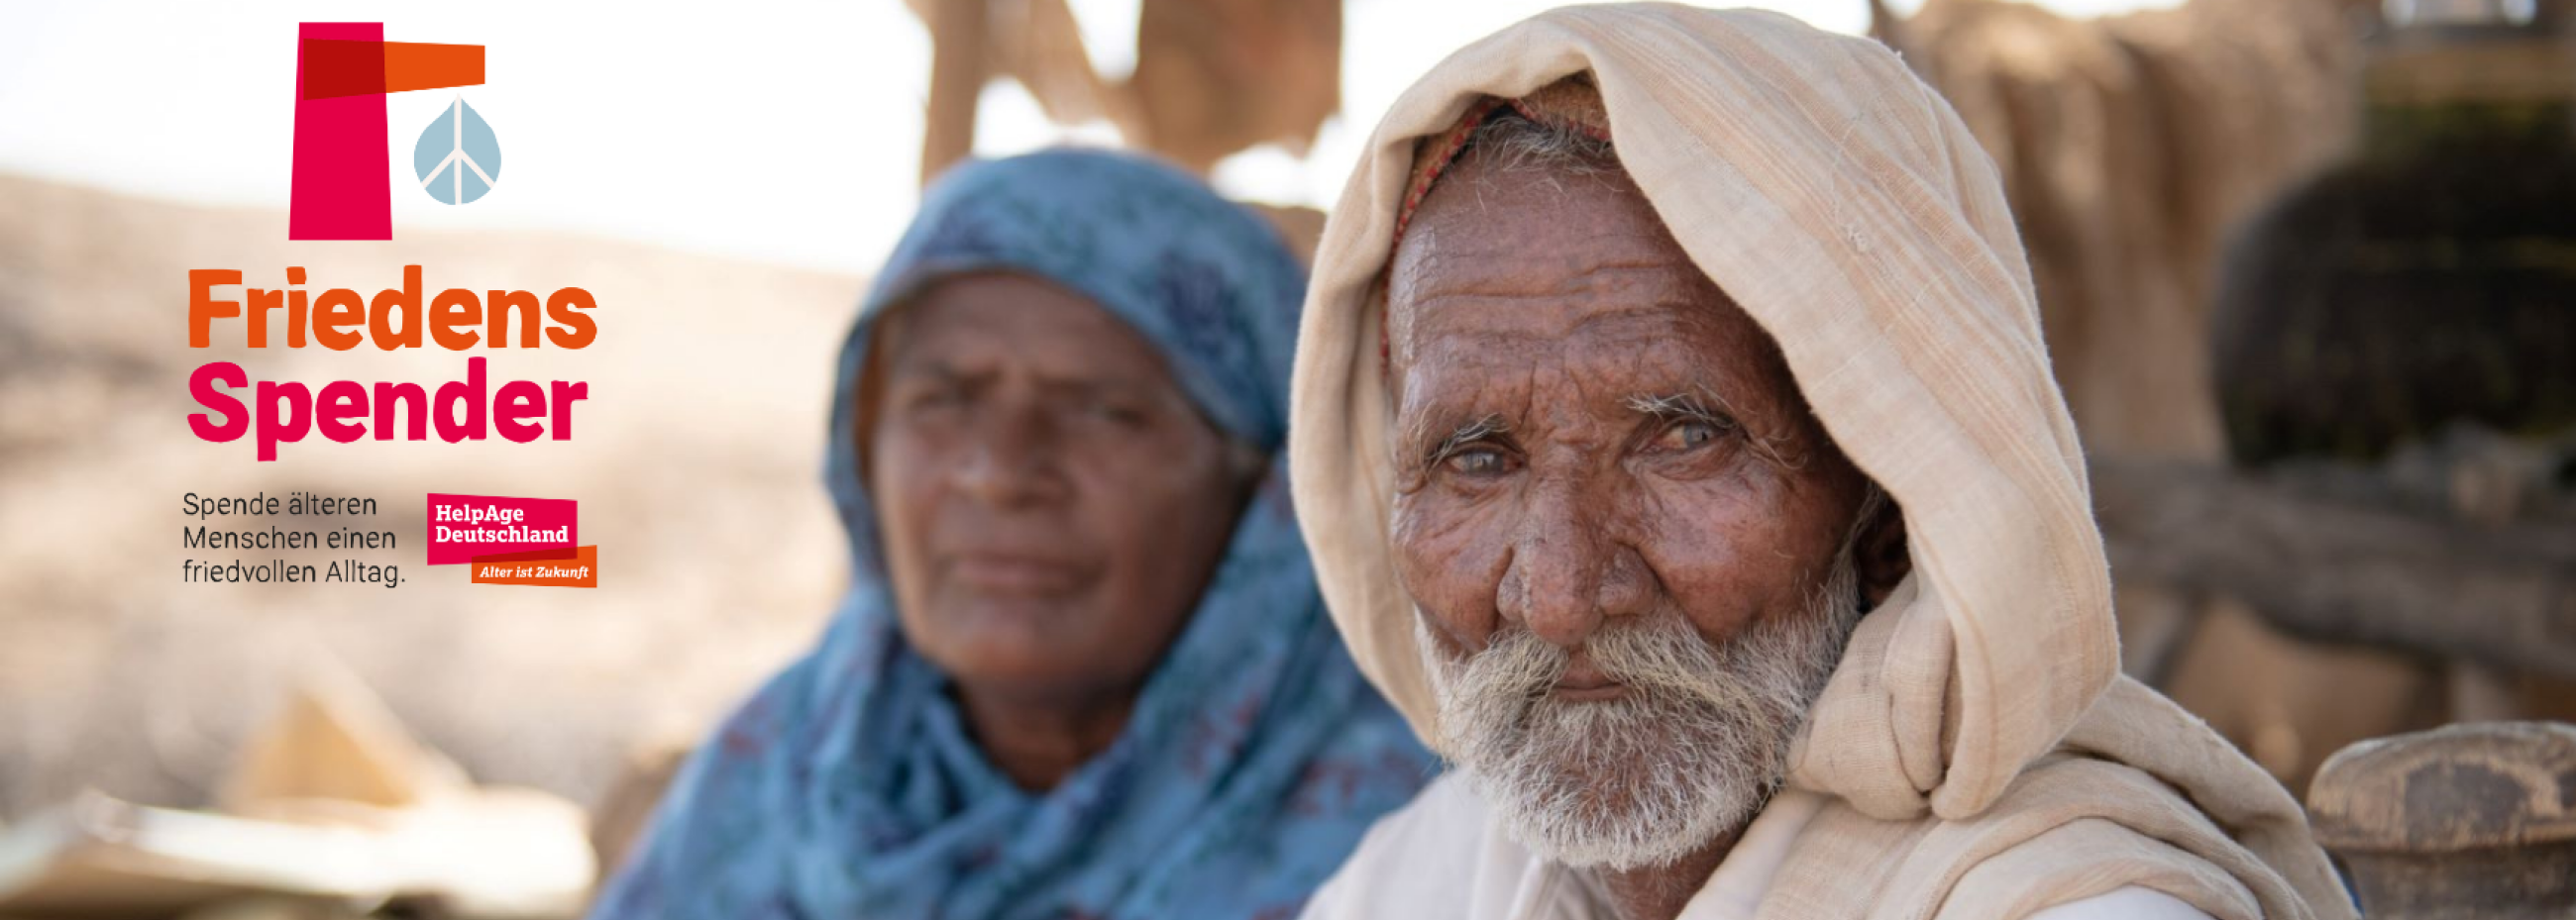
<point x="1686" y="434"/>
<point x="1478" y="461"/>
<point x="1116" y="413"/>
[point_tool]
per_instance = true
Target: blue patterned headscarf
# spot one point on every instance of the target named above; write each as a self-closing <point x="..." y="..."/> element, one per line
<point x="1255" y="756"/>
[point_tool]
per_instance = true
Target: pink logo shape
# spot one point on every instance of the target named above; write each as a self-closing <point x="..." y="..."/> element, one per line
<point x="463" y="527"/>
<point x="343" y="185"/>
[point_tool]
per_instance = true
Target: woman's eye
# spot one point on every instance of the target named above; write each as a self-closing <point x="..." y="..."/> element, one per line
<point x="1477" y="461"/>
<point x="1687" y="434"/>
<point x="934" y="398"/>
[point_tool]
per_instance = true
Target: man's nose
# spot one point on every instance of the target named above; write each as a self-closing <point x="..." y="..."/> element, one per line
<point x="1569" y="572"/>
<point x="1011" y="460"/>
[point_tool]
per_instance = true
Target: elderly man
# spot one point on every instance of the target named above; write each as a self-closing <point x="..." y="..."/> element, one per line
<point x="1674" y="433"/>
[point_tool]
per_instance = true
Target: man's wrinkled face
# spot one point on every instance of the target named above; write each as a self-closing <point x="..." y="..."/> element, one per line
<point x="1631" y="545"/>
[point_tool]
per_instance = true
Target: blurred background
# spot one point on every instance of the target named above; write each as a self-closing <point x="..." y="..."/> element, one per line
<point x="2306" y="268"/>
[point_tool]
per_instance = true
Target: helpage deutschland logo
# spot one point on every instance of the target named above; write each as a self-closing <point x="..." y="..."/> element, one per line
<point x="343" y="185"/>
<point x="512" y="541"/>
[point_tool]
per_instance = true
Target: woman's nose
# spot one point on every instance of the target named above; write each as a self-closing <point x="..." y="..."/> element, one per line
<point x="1010" y="460"/>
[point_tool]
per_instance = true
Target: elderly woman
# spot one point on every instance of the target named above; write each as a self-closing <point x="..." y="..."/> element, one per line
<point x="1083" y="670"/>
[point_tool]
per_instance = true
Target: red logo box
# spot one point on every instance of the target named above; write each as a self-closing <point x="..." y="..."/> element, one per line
<point x="462" y="527"/>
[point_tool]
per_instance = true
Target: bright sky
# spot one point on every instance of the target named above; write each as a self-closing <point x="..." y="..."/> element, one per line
<point x="785" y="130"/>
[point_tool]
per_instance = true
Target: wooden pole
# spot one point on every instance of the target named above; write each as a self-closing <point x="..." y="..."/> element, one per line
<point x="2347" y="568"/>
<point x="958" y="69"/>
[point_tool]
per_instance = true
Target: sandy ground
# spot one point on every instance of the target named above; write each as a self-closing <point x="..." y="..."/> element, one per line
<point x="695" y="461"/>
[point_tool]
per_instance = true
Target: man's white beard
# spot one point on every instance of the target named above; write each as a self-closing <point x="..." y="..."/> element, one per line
<point x="1694" y="747"/>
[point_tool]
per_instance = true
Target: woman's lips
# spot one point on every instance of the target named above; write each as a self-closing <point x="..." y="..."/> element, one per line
<point x="1015" y="575"/>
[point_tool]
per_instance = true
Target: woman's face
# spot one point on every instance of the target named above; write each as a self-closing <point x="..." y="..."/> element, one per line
<point x="1051" y="505"/>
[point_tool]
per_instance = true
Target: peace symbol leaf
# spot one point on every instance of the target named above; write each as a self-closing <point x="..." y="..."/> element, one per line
<point x="458" y="158"/>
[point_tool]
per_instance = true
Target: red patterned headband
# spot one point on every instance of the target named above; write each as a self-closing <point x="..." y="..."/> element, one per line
<point x="1571" y="104"/>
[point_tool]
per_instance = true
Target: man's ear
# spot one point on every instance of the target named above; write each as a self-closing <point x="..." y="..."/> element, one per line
<point x="1880" y="558"/>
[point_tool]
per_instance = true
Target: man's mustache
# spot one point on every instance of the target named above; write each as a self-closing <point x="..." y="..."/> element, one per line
<point x="1653" y="657"/>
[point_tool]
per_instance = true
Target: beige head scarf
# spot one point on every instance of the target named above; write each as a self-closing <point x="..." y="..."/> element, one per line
<point x="1847" y="209"/>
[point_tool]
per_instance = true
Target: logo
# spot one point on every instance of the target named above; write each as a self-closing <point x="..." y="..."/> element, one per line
<point x="343" y="187"/>
<point x="457" y="158"/>
<point x="512" y="541"/>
